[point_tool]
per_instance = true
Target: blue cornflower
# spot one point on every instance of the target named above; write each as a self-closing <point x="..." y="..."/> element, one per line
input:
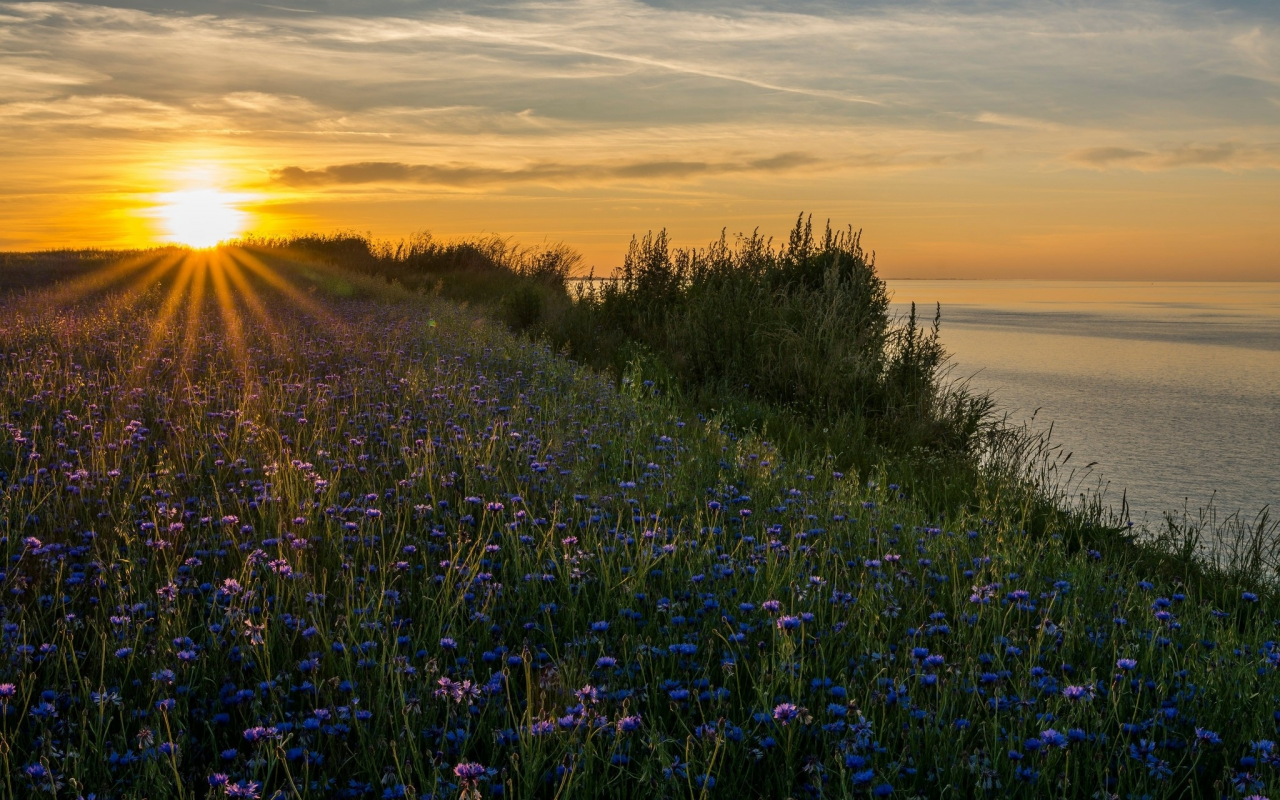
<point x="1204" y="736"/>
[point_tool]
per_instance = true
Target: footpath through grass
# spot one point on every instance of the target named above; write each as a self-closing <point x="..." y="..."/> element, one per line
<point x="281" y="531"/>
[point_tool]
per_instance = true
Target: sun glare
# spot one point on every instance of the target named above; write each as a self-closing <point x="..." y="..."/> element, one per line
<point x="201" y="217"/>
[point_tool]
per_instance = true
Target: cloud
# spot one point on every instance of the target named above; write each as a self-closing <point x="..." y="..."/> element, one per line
<point x="100" y="111"/>
<point x="658" y="98"/>
<point x="1214" y="155"/>
<point x="1225" y="155"/>
<point x="550" y="172"/>
<point x="264" y="103"/>
<point x="1103" y="156"/>
<point x="1015" y="121"/>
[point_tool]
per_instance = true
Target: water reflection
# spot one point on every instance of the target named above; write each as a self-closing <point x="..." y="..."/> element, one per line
<point x="1173" y="388"/>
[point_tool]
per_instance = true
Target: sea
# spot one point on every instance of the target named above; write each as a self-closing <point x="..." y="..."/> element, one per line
<point x="1170" y="390"/>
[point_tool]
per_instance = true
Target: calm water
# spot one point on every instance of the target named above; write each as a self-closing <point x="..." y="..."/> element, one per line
<point x="1173" y="388"/>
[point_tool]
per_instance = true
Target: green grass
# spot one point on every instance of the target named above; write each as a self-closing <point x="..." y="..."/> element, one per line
<point x="236" y="521"/>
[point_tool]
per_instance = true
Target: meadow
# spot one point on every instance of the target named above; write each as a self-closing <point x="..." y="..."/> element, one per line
<point x="279" y="521"/>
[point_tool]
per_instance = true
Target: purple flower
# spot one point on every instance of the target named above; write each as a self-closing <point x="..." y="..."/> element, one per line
<point x="258" y="733"/>
<point x="1204" y="736"/>
<point x="1127" y="664"/>
<point x="468" y="772"/>
<point x="784" y="713"/>
<point x="249" y="790"/>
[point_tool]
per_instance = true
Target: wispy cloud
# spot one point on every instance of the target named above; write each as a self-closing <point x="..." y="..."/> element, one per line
<point x="1223" y="155"/>
<point x="1105" y="156"/>
<point x="470" y="175"/>
<point x="618" y="63"/>
<point x="603" y="98"/>
<point x="1015" y="121"/>
<point x="1200" y="156"/>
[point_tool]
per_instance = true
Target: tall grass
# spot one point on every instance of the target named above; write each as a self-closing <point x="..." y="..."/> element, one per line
<point x="795" y="342"/>
<point x="318" y="537"/>
<point x="487" y="270"/>
<point x="36" y="269"/>
<point x="799" y="336"/>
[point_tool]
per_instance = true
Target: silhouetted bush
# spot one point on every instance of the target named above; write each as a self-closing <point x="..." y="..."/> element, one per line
<point x="804" y="328"/>
<point x="30" y="270"/>
<point x="796" y="340"/>
<point x="421" y="260"/>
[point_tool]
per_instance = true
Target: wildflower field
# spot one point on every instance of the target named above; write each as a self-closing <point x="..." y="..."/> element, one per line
<point x="278" y="530"/>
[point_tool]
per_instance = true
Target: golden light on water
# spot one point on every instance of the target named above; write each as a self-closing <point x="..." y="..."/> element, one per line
<point x="201" y="217"/>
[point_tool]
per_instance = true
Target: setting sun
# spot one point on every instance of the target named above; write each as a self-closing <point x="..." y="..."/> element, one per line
<point x="501" y="400"/>
<point x="201" y="217"/>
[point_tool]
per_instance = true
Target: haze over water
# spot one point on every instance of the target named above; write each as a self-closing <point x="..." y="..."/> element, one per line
<point x="1172" y="388"/>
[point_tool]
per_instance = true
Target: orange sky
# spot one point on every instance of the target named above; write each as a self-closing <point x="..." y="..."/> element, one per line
<point x="979" y="138"/>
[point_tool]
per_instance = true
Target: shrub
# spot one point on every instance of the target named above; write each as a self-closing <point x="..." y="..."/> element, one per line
<point x="805" y="328"/>
<point x="795" y="340"/>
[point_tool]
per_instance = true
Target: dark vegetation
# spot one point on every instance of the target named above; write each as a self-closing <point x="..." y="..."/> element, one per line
<point x="792" y="343"/>
<point x="312" y="534"/>
<point x="795" y="342"/>
<point x="33" y="270"/>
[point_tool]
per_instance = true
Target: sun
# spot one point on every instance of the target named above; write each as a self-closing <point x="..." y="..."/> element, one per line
<point x="201" y="217"/>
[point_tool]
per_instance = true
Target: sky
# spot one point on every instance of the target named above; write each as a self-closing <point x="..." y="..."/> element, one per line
<point x="968" y="139"/>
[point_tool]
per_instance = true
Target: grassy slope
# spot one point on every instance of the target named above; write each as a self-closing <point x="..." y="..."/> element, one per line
<point x="346" y="426"/>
